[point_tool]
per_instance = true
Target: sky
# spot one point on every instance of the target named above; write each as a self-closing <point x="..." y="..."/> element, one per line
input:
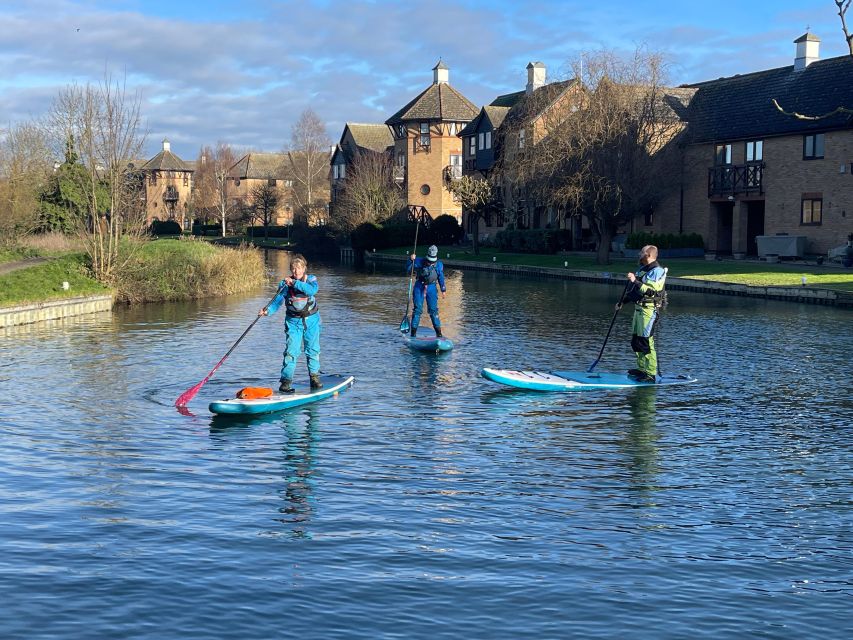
<point x="243" y="72"/>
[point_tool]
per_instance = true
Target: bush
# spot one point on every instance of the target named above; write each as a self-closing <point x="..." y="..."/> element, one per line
<point x="445" y="230"/>
<point x="530" y="240"/>
<point x="640" y="239"/>
<point x="206" y="229"/>
<point x="273" y="231"/>
<point x="165" y="228"/>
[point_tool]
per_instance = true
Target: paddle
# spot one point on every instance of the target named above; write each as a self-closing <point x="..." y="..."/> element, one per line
<point x="612" y="321"/>
<point x="189" y="394"/>
<point x="405" y="325"/>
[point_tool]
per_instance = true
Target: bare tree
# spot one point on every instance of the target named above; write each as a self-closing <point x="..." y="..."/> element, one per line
<point x="308" y="160"/>
<point x="479" y="199"/>
<point x="221" y="163"/>
<point x="25" y="162"/>
<point x="370" y="193"/>
<point x="104" y="121"/>
<point x="608" y="158"/>
<point x="843" y="6"/>
<point x="264" y="201"/>
<point x="205" y="196"/>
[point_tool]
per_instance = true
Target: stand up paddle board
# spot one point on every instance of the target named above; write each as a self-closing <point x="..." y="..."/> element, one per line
<point x="332" y="386"/>
<point x="428" y="341"/>
<point x="576" y="380"/>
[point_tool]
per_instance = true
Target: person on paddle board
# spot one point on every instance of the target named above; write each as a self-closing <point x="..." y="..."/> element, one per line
<point x="301" y="322"/>
<point x="646" y="291"/>
<point x="429" y="279"/>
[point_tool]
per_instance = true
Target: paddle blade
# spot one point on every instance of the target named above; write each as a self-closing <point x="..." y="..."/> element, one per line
<point x="189" y="394"/>
<point x="404" y="325"/>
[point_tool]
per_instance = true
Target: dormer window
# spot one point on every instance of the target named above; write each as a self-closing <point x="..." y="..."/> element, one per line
<point x="481" y="141"/>
<point x="488" y="139"/>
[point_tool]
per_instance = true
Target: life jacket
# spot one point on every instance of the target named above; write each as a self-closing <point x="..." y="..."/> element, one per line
<point x="428" y="274"/>
<point x="650" y="297"/>
<point x="300" y="305"/>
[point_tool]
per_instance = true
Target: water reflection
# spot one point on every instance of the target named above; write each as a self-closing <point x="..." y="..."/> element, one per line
<point x="641" y="437"/>
<point x="297" y="465"/>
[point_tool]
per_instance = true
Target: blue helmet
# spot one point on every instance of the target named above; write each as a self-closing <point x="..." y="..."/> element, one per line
<point x="432" y="253"/>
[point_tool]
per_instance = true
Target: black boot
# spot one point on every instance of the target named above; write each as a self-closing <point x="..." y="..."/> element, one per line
<point x="634" y="373"/>
<point x="285" y="387"/>
<point x="315" y="381"/>
<point x="438" y="332"/>
<point x="413" y="332"/>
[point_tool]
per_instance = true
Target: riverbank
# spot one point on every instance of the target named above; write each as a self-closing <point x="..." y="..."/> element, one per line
<point x="825" y="286"/>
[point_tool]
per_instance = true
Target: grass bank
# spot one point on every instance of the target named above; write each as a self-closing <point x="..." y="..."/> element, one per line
<point x="734" y="271"/>
<point x="156" y="271"/>
<point x="186" y="269"/>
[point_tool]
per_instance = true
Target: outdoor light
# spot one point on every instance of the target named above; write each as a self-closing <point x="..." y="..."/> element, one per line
<point x="66" y="286"/>
<point x="565" y="263"/>
<point x="804" y="280"/>
<point x="494" y="258"/>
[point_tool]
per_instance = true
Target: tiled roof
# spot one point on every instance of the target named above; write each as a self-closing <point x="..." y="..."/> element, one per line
<point x="437" y="102"/>
<point x="507" y="100"/>
<point x="376" y="137"/>
<point x="741" y="107"/>
<point x="529" y="107"/>
<point x="263" y="166"/>
<point x="166" y="161"/>
<point x="495" y="116"/>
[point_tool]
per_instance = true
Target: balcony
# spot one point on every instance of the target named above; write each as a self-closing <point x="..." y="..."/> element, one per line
<point x="452" y="172"/>
<point x="421" y="144"/>
<point x="736" y="180"/>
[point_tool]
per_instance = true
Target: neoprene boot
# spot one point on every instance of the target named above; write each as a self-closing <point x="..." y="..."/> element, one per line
<point x="315" y="381"/>
<point x="285" y="387"/>
<point x="635" y="373"/>
<point x="413" y="332"/>
<point x="438" y="333"/>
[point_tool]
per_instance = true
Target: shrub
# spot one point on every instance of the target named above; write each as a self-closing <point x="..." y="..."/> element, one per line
<point x="445" y="230"/>
<point x="640" y="239"/>
<point x="164" y="228"/>
<point x="272" y="231"/>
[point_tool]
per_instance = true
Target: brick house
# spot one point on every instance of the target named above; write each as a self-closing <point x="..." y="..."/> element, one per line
<point x="257" y="169"/>
<point x="751" y="171"/>
<point x="427" y="149"/>
<point x="168" y="187"/>
<point x="357" y="138"/>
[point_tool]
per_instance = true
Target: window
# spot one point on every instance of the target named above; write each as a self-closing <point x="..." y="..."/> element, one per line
<point x="288" y="183"/>
<point x="812" y="211"/>
<point x="481" y="141"/>
<point x="649" y="218"/>
<point x="186" y="179"/>
<point x="754" y="151"/>
<point x="342" y="171"/>
<point x="522" y="135"/>
<point x="424" y="134"/>
<point x="425" y="189"/>
<point x="152" y="179"/>
<point x="472" y="146"/>
<point x="813" y="146"/>
<point x="722" y="154"/>
<point x="271" y="182"/>
<point x="488" y="139"/>
<point x="335" y="175"/>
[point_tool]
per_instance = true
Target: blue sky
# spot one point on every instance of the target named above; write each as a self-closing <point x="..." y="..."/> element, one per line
<point x="242" y="72"/>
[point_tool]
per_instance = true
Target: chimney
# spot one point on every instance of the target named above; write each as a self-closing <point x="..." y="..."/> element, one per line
<point x="166" y="145"/>
<point x="440" y="73"/>
<point x="808" y="46"/>
<point x="535" y="76"/>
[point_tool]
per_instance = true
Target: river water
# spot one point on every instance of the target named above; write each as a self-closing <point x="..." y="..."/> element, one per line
<point x="427" y="502"/>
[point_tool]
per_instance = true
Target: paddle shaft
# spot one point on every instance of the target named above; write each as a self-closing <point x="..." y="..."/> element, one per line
<point x="610" y="329"/>
<point x="412" y="277"/>
<point x="189" y="394"/>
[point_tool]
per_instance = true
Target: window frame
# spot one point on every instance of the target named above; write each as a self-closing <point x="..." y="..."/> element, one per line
<point x="811" y="199"/>
<point x="815" y="137"/>
<point x="727" y="148"/>
<point x="757" y="149"/>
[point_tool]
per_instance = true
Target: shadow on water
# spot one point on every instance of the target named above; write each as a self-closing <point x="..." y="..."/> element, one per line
<point x="299" y="452"/>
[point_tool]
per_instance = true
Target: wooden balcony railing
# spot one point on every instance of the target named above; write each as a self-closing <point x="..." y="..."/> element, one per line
<point x="736" y="179"/>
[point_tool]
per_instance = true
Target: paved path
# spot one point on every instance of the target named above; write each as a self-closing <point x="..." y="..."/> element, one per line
<point x="8" y="267"/>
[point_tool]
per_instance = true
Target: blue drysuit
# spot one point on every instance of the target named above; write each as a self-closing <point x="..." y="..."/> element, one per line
<point x="301" y="324"/>
<point x="427" y="276"/>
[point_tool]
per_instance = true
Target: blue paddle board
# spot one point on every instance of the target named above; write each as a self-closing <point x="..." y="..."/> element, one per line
<point x="428" y="341"/>
<point x="332" y="386"/>
<point x="575" y="380"/>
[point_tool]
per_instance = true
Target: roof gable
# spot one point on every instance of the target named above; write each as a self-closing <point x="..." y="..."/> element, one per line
<point x="437" y="102"/>
<point x="166" y="161"/>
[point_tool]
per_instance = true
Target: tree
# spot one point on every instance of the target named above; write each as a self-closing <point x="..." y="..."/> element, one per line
<point x="370" y="193"/>
<point x="308" y="164"/>
<point x="611" y="158"/>
<point x="264" y="200"/>
<point x="843" y="6"/>
<point x="205" y="196"/>
<point x="221" y="162"/>
<point x="105" y="123"/>
<point x="479" y="199"/>
<point x="25" y="162"/>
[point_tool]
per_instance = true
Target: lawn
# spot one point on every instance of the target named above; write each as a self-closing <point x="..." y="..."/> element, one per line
<point x="44" y="281"/>
<point x="734" y="271"/>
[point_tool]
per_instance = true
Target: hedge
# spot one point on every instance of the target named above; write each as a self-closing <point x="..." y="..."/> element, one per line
<point x="640" y="239"/>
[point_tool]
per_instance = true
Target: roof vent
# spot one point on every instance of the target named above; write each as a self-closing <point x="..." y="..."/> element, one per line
<point x="535" y="76"/>
<point x="440" y="73"/>
<point x="166" y="145"/>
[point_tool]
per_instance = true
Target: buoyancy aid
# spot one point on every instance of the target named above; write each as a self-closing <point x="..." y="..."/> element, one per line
<point x="300" y="304"/>
<point x="428" y="274"/>
<point x="651" y="295"/>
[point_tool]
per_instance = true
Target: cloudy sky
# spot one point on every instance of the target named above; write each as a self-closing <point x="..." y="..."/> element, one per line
<point x="242" y="72"/>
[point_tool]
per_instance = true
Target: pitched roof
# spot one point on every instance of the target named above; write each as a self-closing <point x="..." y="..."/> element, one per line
<point x="263" y="166"/>
<point x="742" y="107"/>
<point x="495" y="116"/>
<point x="439" y="101"/>
<point x="529" y="107"/>
<point x="166" y="161"/>
<point x="507" y="99"/>
<point x="376" y="137"/>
